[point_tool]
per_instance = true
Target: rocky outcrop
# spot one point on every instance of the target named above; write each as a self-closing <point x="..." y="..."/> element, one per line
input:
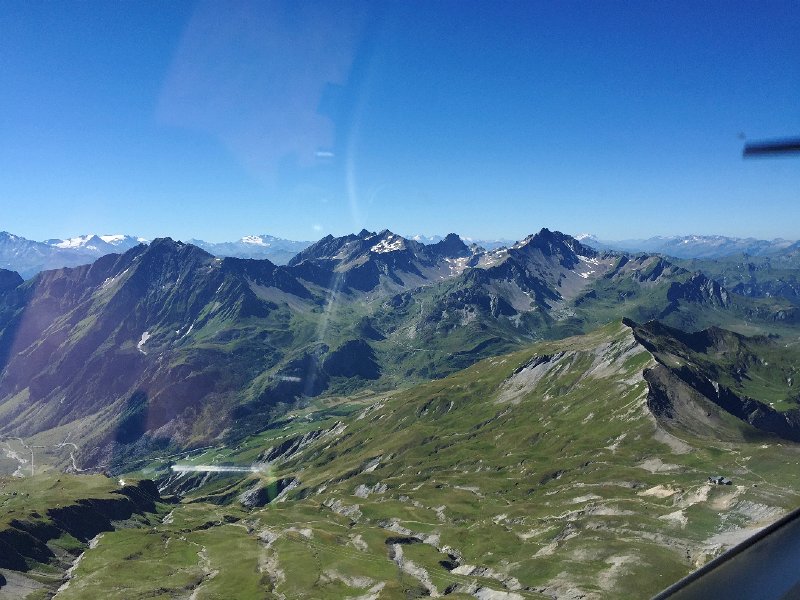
<point x="699" y="288"/>
<point x="291" y="446"/>
<point x="682" y="397"/>
<point x="773" y="288"/>
<point x="260" y="495"/>
<point x="684" y="390"/>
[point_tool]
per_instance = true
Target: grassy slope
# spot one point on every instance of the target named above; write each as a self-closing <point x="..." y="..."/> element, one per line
<point x="22" y="496"/>
<point x="24" y="505"/>
<point x="566" y="485"/>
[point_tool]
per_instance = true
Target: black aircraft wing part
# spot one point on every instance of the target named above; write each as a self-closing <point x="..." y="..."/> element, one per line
<point x="772" y="148"/>
<point x="766" y="566"/>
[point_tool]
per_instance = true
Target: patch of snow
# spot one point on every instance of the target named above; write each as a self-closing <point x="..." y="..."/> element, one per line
<point x="142" y="342"/>
<point x="391" y="244"/>
<point x="456" y="265"/>
<point x="109" y="280"/>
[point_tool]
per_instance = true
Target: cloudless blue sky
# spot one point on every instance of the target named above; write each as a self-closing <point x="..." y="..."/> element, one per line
<point x="214" y="120"/>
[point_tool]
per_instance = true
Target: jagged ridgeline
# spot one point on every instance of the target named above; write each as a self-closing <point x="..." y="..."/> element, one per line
<point x="167" y="347"/>
<point x="576" y="468"/>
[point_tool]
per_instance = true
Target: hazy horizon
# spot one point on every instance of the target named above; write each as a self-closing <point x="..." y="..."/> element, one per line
<point x="407" y="235"/>
<point x="194" y="120"/>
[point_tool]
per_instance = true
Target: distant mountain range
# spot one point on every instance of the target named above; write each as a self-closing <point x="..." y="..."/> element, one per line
<point x="28" y="257"/>
<point x="166" y="345"/>
<point x="485" y="244"/>
<point x="694" y="246"/>
<point x="278" y="250"/>
<point x="97" y="244"/>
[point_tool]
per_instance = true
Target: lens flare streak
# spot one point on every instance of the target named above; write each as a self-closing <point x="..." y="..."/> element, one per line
<point x="257" y="468"/>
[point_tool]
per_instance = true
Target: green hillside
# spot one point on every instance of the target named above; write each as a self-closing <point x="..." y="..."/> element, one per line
<point x="538" y="474"/>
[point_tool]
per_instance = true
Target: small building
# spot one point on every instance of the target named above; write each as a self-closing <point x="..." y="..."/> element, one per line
<point x="719" y="480"/>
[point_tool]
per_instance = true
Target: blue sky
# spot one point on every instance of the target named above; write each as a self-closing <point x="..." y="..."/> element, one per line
<point x="490" y="119"/>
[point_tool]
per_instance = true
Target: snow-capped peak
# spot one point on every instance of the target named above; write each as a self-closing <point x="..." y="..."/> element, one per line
<point x="80" y="241"/>
<point x="255" y="240"/>
<point x="117" y="238"/>
<point x="97" y="243"/>
<point x="426" y="239"/>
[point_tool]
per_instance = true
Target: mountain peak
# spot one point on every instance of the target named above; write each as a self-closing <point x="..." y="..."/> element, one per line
<point x="256" y="240"/>
<point x="164" y="242"/>
<point x="81" y="241"/>
<point x="167" y="245"/>
<point x="550" y="242"/>
<point x="389" y="242"/>
<point x="452" y="246"/>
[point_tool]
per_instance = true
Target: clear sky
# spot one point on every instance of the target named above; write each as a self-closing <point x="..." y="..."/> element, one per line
<point x="490" y="119"/>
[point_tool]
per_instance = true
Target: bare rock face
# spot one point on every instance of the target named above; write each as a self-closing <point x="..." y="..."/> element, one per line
<point x="682" y="391"/>
<point x="699" y="288"/>
<point x="260" y="495"/>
